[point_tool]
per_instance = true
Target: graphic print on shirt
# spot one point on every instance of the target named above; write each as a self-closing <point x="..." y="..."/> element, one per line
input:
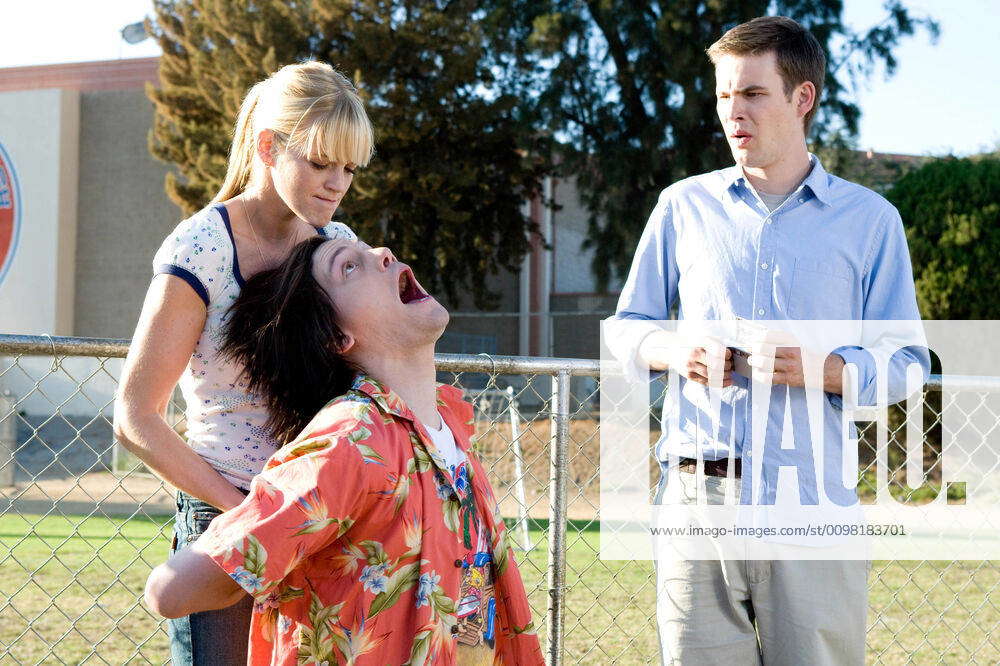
<point x="476" y="609"/>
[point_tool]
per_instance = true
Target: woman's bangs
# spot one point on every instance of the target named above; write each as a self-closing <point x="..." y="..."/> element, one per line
<point x="340" y="136"/>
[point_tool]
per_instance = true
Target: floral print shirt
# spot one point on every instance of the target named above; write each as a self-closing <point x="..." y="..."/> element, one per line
<point x="351" y="541"/>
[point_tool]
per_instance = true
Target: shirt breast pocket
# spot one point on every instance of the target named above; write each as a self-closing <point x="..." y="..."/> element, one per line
<point x="822" y="288"/>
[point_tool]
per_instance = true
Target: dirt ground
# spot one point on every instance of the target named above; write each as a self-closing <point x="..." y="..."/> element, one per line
<point x="494" y="445"/>
<point x="77" y="477"/>
<point x="103" y="493"/>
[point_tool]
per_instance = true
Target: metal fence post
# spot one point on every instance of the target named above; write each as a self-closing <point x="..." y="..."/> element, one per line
<point x="8" y="438"/>
<point x="558" y="471"/>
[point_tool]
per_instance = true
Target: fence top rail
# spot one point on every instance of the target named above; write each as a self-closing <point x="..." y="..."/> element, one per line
<point x="515" y="365"/>
<point x="52" y="345"/>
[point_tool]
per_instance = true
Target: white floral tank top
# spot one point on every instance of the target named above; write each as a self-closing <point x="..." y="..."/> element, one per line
<point x="225" y="424"/>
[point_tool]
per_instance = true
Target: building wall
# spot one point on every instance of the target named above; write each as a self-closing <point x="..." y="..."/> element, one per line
<point x="577" y="332"/>
<point x="124" y="213"/>
<point x="93" y="213"/>
<point x="572" y="264"/>
<point x="575" y="306"/>
<point x="497" y="330"/>
<point x="40" y="132"/>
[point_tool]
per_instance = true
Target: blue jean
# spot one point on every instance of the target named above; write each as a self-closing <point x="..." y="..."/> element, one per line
<point x="218" y="637"/>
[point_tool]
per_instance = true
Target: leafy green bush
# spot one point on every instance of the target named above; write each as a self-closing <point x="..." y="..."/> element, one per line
<point x="951" y="211"/>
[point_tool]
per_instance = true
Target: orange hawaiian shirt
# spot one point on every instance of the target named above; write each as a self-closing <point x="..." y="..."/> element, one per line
<point x="351" y="543"/>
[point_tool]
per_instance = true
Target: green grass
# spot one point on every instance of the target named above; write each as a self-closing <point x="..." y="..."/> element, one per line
<point x="71" y="588"/>
<point x="71" y="591"/>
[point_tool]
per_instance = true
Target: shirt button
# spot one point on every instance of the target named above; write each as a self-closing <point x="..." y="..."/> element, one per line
<point x="760" y="311"/>
<point x="802" y="200"/>
<point x="454" y="629"/>
<point x="453" y="497"/>
<point x="769" y="221"/>
<point x="458" y="563"/>
<point x="764" y="265"/>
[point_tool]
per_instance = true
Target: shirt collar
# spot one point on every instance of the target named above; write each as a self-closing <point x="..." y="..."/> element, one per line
<point x="818" y="181"/>
<point x="389" y="403"/>
<point x="385" y="398"/>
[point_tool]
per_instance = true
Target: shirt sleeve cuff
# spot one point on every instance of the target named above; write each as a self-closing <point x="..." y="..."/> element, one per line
<point x="187" y="276"/>
<point x="625" y="337"/>
<point x="225" y="552"/>
<point x="865" y="388"/>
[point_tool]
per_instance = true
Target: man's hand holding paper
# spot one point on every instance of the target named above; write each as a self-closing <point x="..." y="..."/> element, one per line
<point x="783" y="359"/>
<point x="702" y="359"/>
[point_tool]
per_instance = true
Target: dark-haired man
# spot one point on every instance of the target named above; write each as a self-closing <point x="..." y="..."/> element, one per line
<point x="774" y="237"/>
<point x="374" y="536"/>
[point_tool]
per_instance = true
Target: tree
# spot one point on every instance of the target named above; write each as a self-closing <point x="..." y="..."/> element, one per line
<point x="951" y="211"/>
<point x="454" y="159"/>
<point x="629" y="89"/>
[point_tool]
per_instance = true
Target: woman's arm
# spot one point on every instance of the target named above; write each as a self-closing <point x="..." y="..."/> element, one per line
<point x="189" y="582"/>
<point x="172" y="319"/>
<point x="253" y="547"/>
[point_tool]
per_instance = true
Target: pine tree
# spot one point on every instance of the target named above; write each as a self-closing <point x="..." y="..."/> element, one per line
<point x="454" y="160"/>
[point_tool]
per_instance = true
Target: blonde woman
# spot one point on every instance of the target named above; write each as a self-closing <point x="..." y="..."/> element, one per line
<point x="299" y="137"/>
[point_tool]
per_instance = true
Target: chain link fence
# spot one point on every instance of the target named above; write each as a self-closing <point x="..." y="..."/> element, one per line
<point x="81" y="527"/>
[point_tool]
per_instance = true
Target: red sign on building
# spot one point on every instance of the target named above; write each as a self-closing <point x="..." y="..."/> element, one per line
<point x="10" y="212"/>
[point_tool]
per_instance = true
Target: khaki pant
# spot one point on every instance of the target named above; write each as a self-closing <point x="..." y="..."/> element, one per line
<point x="771" y="612"/>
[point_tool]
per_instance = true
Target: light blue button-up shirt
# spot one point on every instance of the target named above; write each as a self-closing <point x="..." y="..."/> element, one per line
<point x="832" y="250"/>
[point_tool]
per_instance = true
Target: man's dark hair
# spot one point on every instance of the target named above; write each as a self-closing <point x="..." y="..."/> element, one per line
<point x="283" y="330"/>
<point x="798" y="54"/>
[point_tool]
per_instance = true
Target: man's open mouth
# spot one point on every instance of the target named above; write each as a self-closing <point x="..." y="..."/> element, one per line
<point x="409" y="290"/>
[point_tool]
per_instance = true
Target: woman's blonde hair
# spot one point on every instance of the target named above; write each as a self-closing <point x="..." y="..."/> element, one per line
<point x="313" y="110"/>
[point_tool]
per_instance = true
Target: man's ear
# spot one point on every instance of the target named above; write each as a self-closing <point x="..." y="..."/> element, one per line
<point x="265" y="147"/>
<point x="347" y="343"/>
<point x="805" y="98"/>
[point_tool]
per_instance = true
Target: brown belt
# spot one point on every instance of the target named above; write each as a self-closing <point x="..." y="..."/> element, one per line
<point x="712" y="467"/>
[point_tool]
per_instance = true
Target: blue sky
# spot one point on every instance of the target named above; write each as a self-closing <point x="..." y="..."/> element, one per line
<point x="944" y="97"/>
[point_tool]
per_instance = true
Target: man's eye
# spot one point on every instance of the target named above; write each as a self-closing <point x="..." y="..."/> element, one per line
<point x="349" y="266"/>
<point x="351" y="169"/>
<point x="317" y="165"/>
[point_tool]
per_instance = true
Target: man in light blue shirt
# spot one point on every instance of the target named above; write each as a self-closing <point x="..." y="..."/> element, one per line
<point x="774" y="237"/>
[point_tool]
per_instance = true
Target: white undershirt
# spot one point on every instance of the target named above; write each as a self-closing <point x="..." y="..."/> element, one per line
<point x="772" y="201"/>
<point x="444" y="440"/>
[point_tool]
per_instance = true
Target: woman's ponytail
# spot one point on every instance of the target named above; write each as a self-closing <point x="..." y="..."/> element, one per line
<point x="243" y="148"/>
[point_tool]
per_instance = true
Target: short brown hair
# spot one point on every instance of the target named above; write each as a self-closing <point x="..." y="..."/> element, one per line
<point x="798" y="55"/>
